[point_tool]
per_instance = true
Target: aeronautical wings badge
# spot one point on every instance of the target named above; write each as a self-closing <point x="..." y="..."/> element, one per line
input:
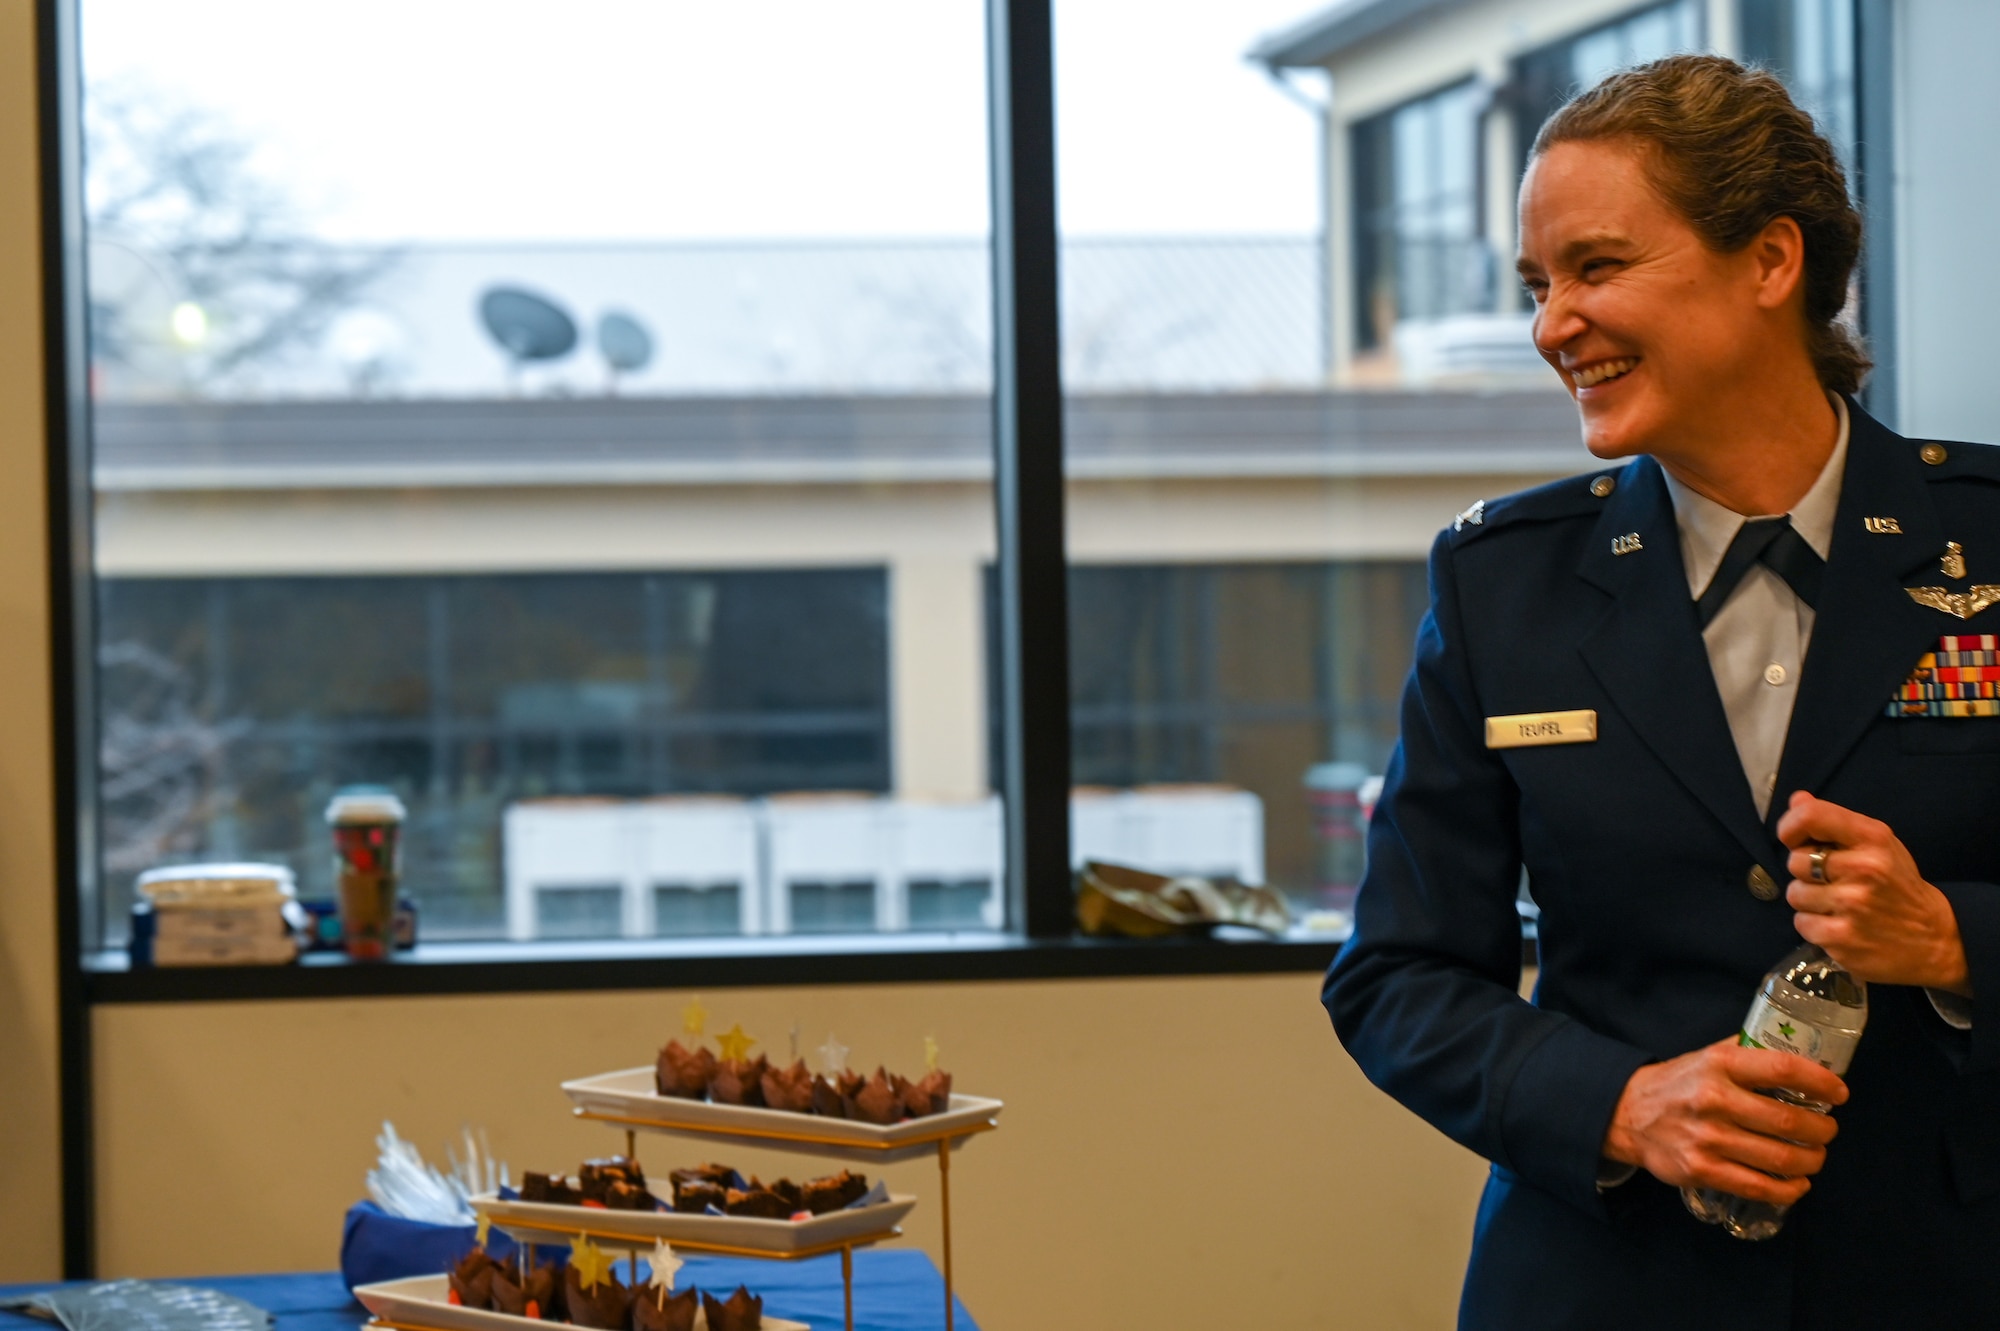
<point x="1964" y="604"/>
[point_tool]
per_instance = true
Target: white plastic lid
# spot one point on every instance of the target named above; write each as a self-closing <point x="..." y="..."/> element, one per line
<point x="364" y="806"/>
<point x="190" y="882"/>
<point x="217" y="873"/>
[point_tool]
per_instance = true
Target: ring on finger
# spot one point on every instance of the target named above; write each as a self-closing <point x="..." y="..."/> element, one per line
<point x="1817" y="863"/>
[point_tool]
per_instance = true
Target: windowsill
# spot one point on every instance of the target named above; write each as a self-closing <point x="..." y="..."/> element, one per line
<point x="500" y="967"/>
<point x="912" y="958"/>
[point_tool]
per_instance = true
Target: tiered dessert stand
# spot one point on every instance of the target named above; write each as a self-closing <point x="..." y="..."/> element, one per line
<point x="628" y="1099"/>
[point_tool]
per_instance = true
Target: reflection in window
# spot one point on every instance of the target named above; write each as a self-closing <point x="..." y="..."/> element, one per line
<point x="1220" y="710"/>
<point x="1810" y="43"/>
<point x="1419" y="251"/>
<point x="1547" y="77"/>
<point x="233" y="707"/>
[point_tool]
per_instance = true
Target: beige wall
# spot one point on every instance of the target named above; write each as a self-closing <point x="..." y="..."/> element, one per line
<point x="1175" y="1152"/>
<point x="30" y="1244"/>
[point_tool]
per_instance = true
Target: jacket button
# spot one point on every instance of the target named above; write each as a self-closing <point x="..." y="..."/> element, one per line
<point x="1603" y="486"/>
<point x="1932" y="453"/>
<point x="1762" y="885"/>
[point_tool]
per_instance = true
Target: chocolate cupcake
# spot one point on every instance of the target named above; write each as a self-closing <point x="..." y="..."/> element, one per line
<point x="535" y="1298"/>
<point x="936" y="1086"/>
<point x="739" y="1083"/>
<point x="876" y="1102"/>
<point x="606" y="1305"/>
<point x="789" y="1088"/>
<point x="826" y="1099"/>
<point x="472" y="1280"/>
<point x="673" y="1312"/>
<point x="682" y="1072"/>
<point x="743" y="1311"/>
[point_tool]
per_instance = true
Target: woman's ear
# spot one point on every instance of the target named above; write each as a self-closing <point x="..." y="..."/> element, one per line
<point x="1779" y="253"/>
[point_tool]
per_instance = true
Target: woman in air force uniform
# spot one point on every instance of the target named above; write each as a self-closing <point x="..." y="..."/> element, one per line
<point x="1700" y="695"/>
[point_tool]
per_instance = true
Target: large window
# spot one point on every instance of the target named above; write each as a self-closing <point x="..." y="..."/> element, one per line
<point x="1549" y="76"/>
<point x="604" y="430"/>
<point x="1419" y="252"/>
<point x="565" y="423"/>
<point x="1811" y="44"/>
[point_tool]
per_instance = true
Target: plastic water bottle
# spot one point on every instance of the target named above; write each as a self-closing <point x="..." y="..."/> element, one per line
<point x="1808" y="1005"/>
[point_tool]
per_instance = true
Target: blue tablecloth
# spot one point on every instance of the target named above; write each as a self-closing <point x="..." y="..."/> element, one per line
<point x="894" y="1290"/>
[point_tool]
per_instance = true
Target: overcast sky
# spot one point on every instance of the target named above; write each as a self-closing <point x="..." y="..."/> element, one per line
<point x="414" y="120"/>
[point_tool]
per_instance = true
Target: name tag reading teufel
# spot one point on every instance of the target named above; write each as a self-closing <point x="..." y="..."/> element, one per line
<point x="1518" y="732"/>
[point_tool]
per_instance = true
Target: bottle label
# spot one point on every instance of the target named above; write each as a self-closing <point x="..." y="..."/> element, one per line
<point x="1771" y="1027"/>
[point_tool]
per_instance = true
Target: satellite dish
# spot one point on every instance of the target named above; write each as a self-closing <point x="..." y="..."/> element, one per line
<point x="624" y="342"/>
<point x="527" y="326"/>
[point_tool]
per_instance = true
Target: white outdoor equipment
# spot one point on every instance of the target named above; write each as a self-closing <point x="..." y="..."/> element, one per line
<point x="673" y="867"/>
<point x="1209" y="831"/>
<point x="950" y="865"/>
<point x="568" y="865"/>
<point x="701" y="866"/>
<point x="829" y="863"/>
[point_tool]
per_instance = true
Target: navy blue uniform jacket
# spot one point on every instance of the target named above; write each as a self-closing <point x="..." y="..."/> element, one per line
<point x="1637" y="848"/>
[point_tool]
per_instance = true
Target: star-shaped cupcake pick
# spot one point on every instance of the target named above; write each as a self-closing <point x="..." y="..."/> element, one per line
<point x="484" y="1228"/>
<point x="587" y="1259"/>
<point x="930" y="1053"/>
<point x="694" y="1019"/>
<point x="833" y="1056"/>
<point x="664" y="1263"/>
<point x="734" y="1044"/>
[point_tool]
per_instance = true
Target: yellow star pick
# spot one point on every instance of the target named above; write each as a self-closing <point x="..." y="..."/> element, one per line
<point x="588" y="1259"/>
<point x="485" y="1228"/>
<point x="930" y="1053"/>
<point x="694" y="1019"/>
<point x="735" y="1045"/>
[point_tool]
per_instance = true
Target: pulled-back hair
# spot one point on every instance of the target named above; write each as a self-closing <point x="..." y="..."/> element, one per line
<point x="1731" y="152"/>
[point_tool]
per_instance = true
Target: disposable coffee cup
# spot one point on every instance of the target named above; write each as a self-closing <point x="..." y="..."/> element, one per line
<point x="367" y="854"/>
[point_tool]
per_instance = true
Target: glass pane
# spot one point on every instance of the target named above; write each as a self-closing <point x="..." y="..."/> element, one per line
<point x="821" y="908"/>
<point x="1247" y="549"/>
<point x="696" y="912"/>
<point x="551" y="423"/>
<point x="579" y="912"/>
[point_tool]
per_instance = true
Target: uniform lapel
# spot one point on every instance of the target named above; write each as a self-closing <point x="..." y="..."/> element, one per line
<point x="1867" y="632"/>
<point x="1648" y="655"/>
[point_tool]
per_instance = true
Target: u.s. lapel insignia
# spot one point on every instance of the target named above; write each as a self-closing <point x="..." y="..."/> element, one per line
<point x="1883" y="526"/>
<point x="1964" y="604"/>
<point x="1626" y="544"/>
<point x="1953" y="563"/>
<point x="1472" y="516"/>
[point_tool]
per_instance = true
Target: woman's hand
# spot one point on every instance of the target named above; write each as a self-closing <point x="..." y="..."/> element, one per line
<point x="1873" y="913"/>
<point x="1697" y="1121"/>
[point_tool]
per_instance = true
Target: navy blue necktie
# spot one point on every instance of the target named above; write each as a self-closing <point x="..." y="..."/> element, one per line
<point x="1777" y="545"/>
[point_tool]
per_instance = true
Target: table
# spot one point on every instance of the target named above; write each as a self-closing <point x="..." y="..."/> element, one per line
<point x="895" y="1289"/>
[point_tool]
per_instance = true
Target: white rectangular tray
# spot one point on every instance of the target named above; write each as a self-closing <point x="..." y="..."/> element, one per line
<point x="553" y="1223"/>
<point x="420" y="1301"/>
<point x="630" y="1098"/>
